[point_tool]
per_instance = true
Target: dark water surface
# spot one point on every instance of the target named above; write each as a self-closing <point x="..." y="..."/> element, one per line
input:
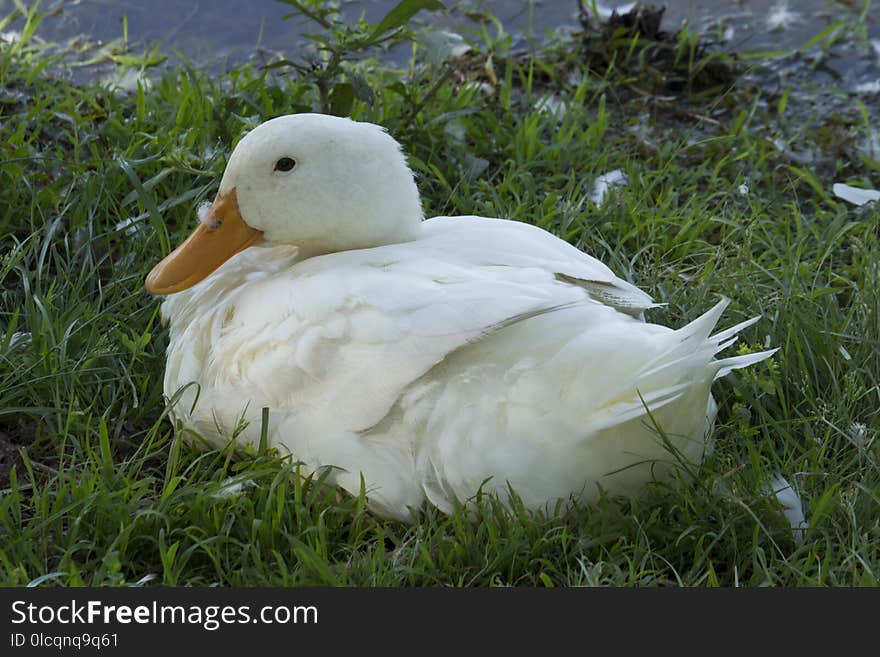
<point x="218" y="33"/>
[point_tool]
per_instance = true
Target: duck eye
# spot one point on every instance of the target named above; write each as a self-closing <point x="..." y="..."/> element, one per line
<point x="285" y="164"/>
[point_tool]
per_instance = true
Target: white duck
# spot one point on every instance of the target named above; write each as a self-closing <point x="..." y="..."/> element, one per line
<point x="433" y="357"/>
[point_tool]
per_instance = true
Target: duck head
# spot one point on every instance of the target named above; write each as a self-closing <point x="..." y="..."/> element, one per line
<point x="317" y="182"/>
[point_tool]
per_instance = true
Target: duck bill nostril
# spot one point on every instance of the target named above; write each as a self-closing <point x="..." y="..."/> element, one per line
<point x="221" y="234"/>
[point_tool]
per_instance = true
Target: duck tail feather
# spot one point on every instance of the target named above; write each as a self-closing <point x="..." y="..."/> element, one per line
<point x="728" y="334"/>
<point x="695" y="347"/>
<point x="727" y="365"/>
<point x="702" y="326"/>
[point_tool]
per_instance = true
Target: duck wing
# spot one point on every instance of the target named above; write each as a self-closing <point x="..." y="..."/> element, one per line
<point x="511" y="243"/>
<point x="343" y="340"/>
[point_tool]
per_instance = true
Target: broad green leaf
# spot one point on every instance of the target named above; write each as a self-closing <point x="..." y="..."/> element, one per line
<point x="401" y="14"/>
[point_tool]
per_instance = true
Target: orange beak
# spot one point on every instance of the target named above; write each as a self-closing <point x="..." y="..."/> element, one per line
<point x="210" y="245"/>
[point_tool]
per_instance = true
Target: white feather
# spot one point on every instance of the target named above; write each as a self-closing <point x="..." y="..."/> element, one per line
<point x="604" y="184"/>
<point x="792" y="507"/>
<point x="855" y="195"/>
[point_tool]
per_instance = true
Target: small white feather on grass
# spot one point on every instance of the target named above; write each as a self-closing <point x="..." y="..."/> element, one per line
<point x="231" y="487"/>
<point x="605" y="183"/>
<point x="855" y="195"/>
<point x="792" y="507"/>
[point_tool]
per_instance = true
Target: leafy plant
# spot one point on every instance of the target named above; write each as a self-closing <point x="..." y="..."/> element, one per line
<point x="339" y="42"/>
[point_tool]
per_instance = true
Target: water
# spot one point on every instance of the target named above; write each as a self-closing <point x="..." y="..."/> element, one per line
<point x="218" y="33"/>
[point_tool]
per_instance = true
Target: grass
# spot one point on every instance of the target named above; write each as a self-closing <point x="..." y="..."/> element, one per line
<point x="97" y="184"/>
